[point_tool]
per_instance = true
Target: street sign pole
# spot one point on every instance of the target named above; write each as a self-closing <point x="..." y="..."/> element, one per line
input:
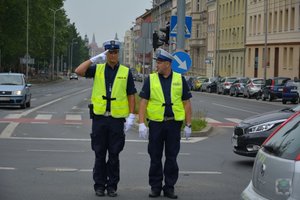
<point x="180" y="24"/>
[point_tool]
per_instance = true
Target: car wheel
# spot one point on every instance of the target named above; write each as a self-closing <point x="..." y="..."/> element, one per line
<point x="283" y="101"/>
<point x="270" y="98"/>
<point x="28" y="104"/>
<point x="236" y="94"/>
<point x="263" y="97"/>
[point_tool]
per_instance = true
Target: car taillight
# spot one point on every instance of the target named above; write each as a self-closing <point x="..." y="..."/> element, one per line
<point x="298" y="157"/>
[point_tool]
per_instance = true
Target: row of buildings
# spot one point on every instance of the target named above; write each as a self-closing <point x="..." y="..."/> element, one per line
<point x="228" y="37"/>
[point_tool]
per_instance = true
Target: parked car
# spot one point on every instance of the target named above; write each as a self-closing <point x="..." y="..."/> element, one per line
<point x="273" y="88"/>
<point x="252" y="87"/>
<point x="73" y="76"/>
<point x="14" y="91"/>
<point x="224" y="84"/>
<point x="249" y="134"/>
<point x="276" y="170"/>
<point x="210" y="85"/>
<point x="190" y="82"/>
<point x="291" y="91"/>
<point x="237" y="87"/>
<point x="198" y="83"/>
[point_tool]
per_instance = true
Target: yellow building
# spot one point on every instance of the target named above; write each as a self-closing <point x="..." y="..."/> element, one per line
<point x="231" y="38"/>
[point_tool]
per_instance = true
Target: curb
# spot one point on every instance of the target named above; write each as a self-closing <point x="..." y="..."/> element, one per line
<point x="203" y="133"/>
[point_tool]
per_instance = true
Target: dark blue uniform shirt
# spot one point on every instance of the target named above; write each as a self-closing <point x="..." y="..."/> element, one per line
<point x="110" y="74"/>
<point x="166" y="87"/>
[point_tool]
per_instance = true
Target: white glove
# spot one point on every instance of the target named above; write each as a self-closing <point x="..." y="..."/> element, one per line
<point x="129" y="122"/>
<point x="187" y="132"/>
<point x="98" y="57"/>
<point x="143" y="131"/>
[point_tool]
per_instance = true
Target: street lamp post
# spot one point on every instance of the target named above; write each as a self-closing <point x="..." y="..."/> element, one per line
<point x="72" y="52"/>
<point x="53" y="42"/>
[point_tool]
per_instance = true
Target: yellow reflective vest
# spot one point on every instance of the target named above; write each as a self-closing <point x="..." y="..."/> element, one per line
<point x="118" y="100"/>
<point x="155" y="108"/>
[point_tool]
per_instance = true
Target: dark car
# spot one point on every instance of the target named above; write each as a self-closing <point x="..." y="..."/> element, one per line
<point x="249" y="134"/>
<point x="210" y="85"/>
<point x="273" y="88"/>
<point x="291" y="92"/>
<point x="14" y="91"/>
<point x="237" y="87"/>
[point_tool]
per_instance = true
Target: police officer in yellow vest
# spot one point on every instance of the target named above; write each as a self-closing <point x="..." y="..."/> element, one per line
<point x="165" y="101"/>
<point x="112" y="111"/>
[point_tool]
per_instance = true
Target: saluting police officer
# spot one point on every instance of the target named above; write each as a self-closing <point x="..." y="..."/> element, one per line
<point x="112" y="100"/>
<point x="165" y="99"/>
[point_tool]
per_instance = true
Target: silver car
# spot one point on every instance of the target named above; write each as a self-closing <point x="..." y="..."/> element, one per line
<point x="14" y="91"/>
<point x="252" y="87"/>
<point x="276" y="170"/>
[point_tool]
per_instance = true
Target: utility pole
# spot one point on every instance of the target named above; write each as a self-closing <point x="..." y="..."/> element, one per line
<point x="180" y="25"/>
<point x="53" y="42"/>
<point x="27" y="37"/>
<point x="266" y="40"/>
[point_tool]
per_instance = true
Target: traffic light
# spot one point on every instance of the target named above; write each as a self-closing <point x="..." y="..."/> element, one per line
<point x="155" y="41"/>
<point x="166" y="31"/>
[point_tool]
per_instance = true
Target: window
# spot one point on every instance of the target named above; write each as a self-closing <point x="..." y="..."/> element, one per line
<point x="292" y="26"/>
<point x="275" y="20"/>
<point x="285" y="142"/>
<point x="285" y="57"/>
<point x="280" y="20"/>
<point x="286" y="19"/>
<point x="270" y="23"/>
<point x="291" y="58"/>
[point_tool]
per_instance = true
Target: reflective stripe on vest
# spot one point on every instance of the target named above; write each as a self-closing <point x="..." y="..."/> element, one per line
<point x="155" y="108"/>
<point x="119" y="107"/>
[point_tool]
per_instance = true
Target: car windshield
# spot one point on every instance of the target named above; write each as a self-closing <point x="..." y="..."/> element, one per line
<point x="280" y="81"/>
<point x="258" y="81"/>
<point x="285" y="143"/>
<point x="6" y="79"/>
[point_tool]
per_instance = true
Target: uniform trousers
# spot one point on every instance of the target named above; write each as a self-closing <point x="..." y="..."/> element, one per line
<point x="164" y="136"/>
<point x="107" y="141"/>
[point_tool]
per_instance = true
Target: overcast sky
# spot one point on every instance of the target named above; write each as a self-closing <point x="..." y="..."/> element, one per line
<point x="104" y="18"/>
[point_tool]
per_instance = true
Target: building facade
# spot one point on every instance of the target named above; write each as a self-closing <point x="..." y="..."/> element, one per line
<point x="282" y="38"/>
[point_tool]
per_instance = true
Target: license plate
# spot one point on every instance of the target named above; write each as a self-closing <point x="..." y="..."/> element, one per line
<point x="234" y="141"/>
<point x="4" y="98"/>
<point x="293" y="90"/>
<point x="280" y="89"/>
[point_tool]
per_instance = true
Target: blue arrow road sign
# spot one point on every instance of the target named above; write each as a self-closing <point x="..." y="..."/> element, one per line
<point x="187" y="26"/>
<point x="182" y="62"/>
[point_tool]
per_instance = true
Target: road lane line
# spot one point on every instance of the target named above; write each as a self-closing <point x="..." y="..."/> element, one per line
<point x="73" y="117"/>
<point x="9" y="129"/>
<point x="235" y="120"/>
<point x="200" y="172"/>
<point x="55" y="151"/>
<point x="190" y="140"/>
<point x="7" y="168"/>
<point x="233" y="108"/>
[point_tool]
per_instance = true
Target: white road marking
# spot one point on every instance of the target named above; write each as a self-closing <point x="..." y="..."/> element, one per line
<point x="235" y="120"/>
<point x="7" y="168"/>
<point x="55" y="151"/>
<point x="7" y="132"/>
<point x="190" y="140"/>
<point x="145" y="153"/>
<point x="233" y="108"/>
<point x="200" y="172"/>
<point x="210" y="120"/>
<point x="43" y="117"/>
<point x="12" y="116"/>
<point x="73" y="117"/>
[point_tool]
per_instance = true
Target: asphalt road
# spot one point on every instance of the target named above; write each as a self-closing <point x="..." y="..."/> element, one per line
<point x="45" y="150"/>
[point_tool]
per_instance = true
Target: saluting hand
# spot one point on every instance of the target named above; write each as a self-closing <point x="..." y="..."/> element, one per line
<point x="97" y="58"/>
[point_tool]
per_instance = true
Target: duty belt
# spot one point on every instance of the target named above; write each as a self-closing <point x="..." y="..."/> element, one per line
<point x="168" y="118"/>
